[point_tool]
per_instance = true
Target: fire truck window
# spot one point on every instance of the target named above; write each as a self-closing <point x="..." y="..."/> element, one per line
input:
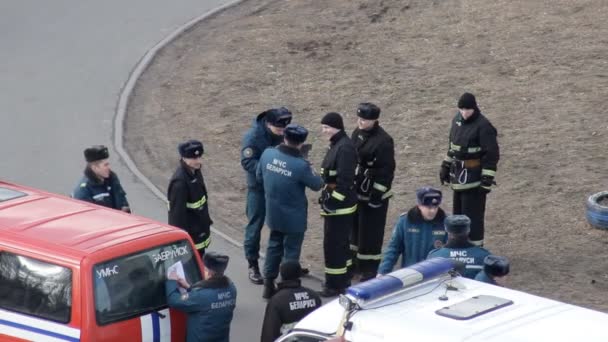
<point x="134" y="284"/>
<point x="35" y="287"/>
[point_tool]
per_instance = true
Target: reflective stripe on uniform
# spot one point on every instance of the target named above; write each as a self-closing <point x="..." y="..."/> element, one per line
<point x="349" y="262"/>
<point x="197" y="204"/>
<point x="333" y="172"/>
<point x="342" y="211"/>
<point x="354" y="248"/>
<point x="455" y="147"/>
<point x="336" y="271"/>
<point x="380" y="187"/>
<point x="101" y="195"/>
<point x="369" y="256"/>
<point x="465" y="186"/>
<point x="337" y="195"/>
<point x="488" y="172"/>
<point x="474" y="149"/>
<point x="203" y="244"/>
<point x="448" y="159"/>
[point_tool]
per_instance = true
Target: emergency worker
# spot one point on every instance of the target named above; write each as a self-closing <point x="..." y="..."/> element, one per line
<point x="187" y="194"/>
<point x="374" y="176"/>
<point x="100" y="185"/>
<point x="285" y="175"/>
<point x="208" y="304"/>
<point x="417" y="232"/>
<point x="470" y="164"/>
<point x="266" y="131"/>
<point x="495" y="270"/>
<point x="289" y="305"/>
<point x="338" y="203"/>
<point x="459" y="247"/>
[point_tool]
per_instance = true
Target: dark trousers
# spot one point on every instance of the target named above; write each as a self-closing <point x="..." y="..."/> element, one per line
<point x="367" y="237"/>
<point x="256" y="212"/>
<point x="281" y="247"/>
<point x="472" y="203"/>
<point x="336" y="230"/>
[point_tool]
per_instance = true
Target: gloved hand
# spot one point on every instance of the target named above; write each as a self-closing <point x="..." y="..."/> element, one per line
<point x="444" y="172"/>
<point x="486" y="183"/>
<point x="375" y="199"/>
<point x="305" y="149"/>
<point x="330" y="205"/>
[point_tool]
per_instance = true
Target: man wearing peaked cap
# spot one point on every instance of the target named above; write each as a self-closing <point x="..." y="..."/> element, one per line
<point x="100" y="185"/>
<point x="187" y="195"/>
<point x="495" y="270"/>
<point x="267" y="131"/>
<point x="459" y="247"/>
<point x="284" y="175"/>
<point x="471" y="163"/>
<point x="374" y="178"/>
<point x="209" y="303"/>
<point x="417" y="232"/>
<point x="338" y="203"/>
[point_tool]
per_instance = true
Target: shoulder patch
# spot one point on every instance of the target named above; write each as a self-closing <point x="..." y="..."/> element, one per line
<point x="248" y="152"/>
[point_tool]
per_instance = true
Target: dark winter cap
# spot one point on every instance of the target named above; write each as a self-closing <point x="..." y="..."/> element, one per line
<point x="296" y="134"/>
<point x="368" y="111"/>
<point x="333" y="119"/>
<point x="457" y="224"/>
<point x="467" y="101"/>
<point x="95" y="153"/>
<point x="191" y="149"/>
<point x="496" y="266"/>
<point x="278" y="117"/>
<point x="429" y="196"/>
<point x="215" y="261"/>
<point x="290" y="270"/>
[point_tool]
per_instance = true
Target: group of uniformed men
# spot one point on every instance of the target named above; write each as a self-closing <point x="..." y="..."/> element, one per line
<point x="355" y="180"/>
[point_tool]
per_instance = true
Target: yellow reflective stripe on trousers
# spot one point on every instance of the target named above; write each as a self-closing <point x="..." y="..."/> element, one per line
<point x="465" y="186"/>
<point x="197" y="204"/>
<point x="203" y="244"/>
<point x="369" y="256"/>
<point x="488" y="172"/>
<point x="335" y="271"/>
<point x="337" y="195"/>
<point x="342" y="211"/>
<point x="380" y="187"/>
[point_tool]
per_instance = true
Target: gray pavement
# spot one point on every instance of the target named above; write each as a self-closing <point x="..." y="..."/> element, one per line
<point x="62" y="66"/>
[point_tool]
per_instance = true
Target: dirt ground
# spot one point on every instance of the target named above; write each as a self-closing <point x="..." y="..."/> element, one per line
<point x="538" y="68"/>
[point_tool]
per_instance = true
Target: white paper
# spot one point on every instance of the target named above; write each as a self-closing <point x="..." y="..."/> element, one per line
<point x="178" y="268"/>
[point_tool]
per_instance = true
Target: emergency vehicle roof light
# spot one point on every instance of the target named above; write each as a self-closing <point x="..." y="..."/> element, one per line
<point x="400" y="279"/>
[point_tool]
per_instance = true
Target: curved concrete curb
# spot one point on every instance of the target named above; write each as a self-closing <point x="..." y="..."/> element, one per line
<point x="125" y="95"/>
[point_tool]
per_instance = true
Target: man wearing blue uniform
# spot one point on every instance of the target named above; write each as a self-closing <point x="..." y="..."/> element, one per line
<point x="418" y="231"/>
<point x="100" y="185"/>
<point x="267" y="131"/>
<point x="285" y="175"/>
<point x="495" y="270"/>
<point x="459" y="247"/>
<point x="209" y="304"/>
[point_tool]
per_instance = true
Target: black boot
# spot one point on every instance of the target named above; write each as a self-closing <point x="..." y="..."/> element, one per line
<point x="254" y="273"/>
<point x="269" y="288"/>
<point x="330" y="292"/>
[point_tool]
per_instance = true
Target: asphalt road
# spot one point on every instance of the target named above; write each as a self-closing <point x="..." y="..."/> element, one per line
<point x="62" y="66"/>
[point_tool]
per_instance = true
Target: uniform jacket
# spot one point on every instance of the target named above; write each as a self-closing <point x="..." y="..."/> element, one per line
<point x="188" y="208"/>
<point x="108" y="192"/>
<point x="208" y="306"/>
<point x="376" y="158"/>
<point x="483" y="277"/>
<point x="413" y="238"/>
<point x="285" y="175"/>
<point x="473" y="151"/>
<point x="338" y="172"/>
<point x="255" y="141"/>
<point x="464" y="251"/>
<point x="290" y="304"/>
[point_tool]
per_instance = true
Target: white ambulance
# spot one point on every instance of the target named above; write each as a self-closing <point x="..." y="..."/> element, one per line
<point x="429" y="301"/>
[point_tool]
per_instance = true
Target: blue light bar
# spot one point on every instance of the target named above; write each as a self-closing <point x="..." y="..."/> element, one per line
<point x="400" y="279"/>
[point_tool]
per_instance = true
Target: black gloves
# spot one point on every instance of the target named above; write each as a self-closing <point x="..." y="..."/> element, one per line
<point x="375" y="199"/>
<point x="444" y="172"/>
<point x="486" y="183"/>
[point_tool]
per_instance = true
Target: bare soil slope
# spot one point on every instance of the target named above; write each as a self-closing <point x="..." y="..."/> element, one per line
<point x="538" y="68"/>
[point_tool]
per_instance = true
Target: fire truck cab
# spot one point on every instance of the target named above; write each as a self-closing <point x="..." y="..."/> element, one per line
<point x="75" y="271"/>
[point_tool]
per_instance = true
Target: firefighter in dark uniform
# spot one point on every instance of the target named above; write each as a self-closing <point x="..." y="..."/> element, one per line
<point x="100" y="185"/>
<point x="285" y="175"/>
<point x="495" y="270"/>
<point x="338" y="203"/>
<point x="374" y="176"/>
<point x="187" y="194"/>
<point x="470" y="164"/>
<point x="289" y="305"/>
<point x="266" y="131"/>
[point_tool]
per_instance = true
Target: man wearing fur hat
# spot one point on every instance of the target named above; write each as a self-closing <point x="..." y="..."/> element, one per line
<point x="209" y="303"/>
<point x="470" y="164"/>
<point x="495" y="270"/>
<point x="100" y="185"/>
<point x="187" y="195"/>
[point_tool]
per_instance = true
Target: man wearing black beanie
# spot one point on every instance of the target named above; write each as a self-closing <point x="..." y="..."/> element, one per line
<point x="470" y="164"/>
<point x="338" y="203"/>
